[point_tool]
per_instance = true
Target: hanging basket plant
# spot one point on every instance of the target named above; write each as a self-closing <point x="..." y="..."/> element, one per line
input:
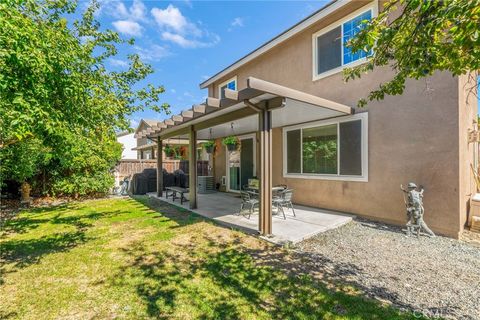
<point x="169" y="151"/>
<point x="209" y="146"/>
<point x="231" y="142"/>
<point x="182" y="152"/>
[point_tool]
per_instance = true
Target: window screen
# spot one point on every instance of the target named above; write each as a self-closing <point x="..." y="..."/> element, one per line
<point x="320" y="149"/>
<point x="330" y="149"/>
<point x="293" y="152"/>
<point x="351" y="148"/>
<point x="329" y="50"/>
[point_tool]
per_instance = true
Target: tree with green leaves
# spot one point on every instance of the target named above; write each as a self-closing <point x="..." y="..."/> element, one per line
<point x="83" y="165"/>
<point x="417" y="38"/>
<point x="56" y="90"/>
<point x="21" y="161"/>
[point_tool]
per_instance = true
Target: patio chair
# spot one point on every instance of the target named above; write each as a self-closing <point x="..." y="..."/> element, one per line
<point x="284" y="200"/>
<point x="277" y="190"/>
<point x="249" y="201"/>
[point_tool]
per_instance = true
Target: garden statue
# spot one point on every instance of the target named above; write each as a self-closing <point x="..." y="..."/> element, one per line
<point x="124" y="186"/>
<point x="25" y="190"/>
<point x="415" y="211"/>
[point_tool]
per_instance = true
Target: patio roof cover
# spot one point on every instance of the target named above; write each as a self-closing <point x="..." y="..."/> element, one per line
<point x="288" y="106"/>
<point x="261" y="106"/>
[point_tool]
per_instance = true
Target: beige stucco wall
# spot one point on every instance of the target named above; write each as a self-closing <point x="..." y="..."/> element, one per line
<point x="413" y="137"/>
<point x="419" y="136"/>
<point x="219" y="161"/>
<point x="467" y="105"/>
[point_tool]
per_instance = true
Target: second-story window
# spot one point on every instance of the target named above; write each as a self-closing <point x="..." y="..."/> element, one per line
<point x="330" y="50"/>
<point x="229" y="84"/>
<point x="350" y="29"/>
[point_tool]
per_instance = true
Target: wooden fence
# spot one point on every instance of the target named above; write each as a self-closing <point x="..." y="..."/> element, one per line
<point x="127" y="168"/>
<point x="202" y="167"/>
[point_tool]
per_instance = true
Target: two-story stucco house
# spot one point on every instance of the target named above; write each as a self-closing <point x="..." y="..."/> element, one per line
<point x="299" y="126"/>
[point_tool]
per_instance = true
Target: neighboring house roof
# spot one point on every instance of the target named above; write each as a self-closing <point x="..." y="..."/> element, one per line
<point x="287" y="34"/>
<point x="147" y="122"/>
<point x="150" y="122"/>
<point x="145" y="146"/>
<point x="165" y="142"/>
<point x="124" y="133"/>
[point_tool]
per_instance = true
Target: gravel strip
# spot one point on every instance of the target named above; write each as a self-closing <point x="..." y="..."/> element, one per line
<point x="436" y="277"/>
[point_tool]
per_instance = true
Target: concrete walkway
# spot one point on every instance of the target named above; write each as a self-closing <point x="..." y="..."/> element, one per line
<point x="223" y="208"/>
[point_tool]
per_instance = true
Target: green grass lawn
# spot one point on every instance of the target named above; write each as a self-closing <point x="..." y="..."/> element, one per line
<point x="132" y="259"/>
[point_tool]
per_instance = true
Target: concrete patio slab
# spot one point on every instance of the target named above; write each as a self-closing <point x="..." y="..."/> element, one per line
<point x="223" y="208"/>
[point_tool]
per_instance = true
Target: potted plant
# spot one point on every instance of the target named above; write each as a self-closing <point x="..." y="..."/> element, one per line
<point x="169" y="151"/>
<point x="182" y="152"/>
<point x="209" y="146"/>
<point x="231" y="142"/>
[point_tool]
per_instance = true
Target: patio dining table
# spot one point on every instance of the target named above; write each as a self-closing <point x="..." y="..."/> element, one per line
<point x="274" y="189"/>
<point x="277" y="196"/>
<point x="275" y="192"/>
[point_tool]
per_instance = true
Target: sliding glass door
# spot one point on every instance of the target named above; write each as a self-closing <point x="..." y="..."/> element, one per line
<point x="241" y="164"/>
<point x="233" y="170"/>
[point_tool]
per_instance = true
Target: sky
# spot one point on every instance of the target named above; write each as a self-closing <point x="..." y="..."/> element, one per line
<point x="186" y="42"/>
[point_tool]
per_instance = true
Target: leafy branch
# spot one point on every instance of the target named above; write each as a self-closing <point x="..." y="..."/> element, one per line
<point x="417" y="38"/>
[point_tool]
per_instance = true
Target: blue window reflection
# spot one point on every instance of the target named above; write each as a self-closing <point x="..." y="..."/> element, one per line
<point x="350" y="29"/>
<point x="231" y="85"/>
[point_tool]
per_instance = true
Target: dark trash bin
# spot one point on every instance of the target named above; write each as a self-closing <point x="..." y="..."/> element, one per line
<point x="144" y="182"/>
<point x="168" y="179"/>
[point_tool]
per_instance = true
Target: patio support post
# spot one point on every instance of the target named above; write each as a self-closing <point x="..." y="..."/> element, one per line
<point x="159" y="167"/>
<point x="192" y="168"/>
<point x="265" y="127"/>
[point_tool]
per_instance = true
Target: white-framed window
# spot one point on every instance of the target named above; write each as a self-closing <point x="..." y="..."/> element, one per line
<point x="147" y="154"/>
<point x="229" y="84"/>
<point x="330" y="55"/>
<point x="334" y="149"/>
